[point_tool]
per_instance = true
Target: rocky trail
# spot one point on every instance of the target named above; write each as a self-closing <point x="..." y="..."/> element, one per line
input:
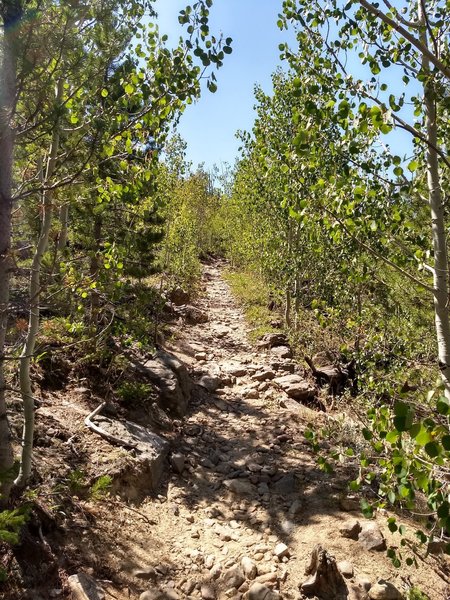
<point x="243" y="504"/>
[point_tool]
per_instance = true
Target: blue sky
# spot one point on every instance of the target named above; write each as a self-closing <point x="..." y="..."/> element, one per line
<point x="210" y="125"/>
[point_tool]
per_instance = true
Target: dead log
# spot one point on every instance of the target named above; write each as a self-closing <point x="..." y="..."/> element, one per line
<point x="325" y="581"/>
<point x="335" y="376"/>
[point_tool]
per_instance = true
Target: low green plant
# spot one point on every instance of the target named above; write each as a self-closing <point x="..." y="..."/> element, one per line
<point x="11" y="522"/>
<point x="101" y="487"/>
<point x="76" y="481"/>
<point x="416" y="594"/>
<point x="254" y="295"/>
<point x="134" y="391"/>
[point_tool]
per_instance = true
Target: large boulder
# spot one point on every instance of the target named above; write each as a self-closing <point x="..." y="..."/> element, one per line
<point x="271" y="340"/>
<point x="296" y="387"/>
<point x="192" y="315"/>
<point x="171" y="376"/>
<point x="142" y="472"/>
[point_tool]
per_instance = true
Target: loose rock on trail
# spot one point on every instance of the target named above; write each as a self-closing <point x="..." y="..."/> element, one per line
<point x="242" y="504"/>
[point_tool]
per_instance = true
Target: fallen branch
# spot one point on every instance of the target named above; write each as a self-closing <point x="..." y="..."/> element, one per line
<point x="111" y="438"/>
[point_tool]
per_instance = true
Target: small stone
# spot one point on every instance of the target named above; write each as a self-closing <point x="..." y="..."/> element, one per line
<point x="170" y="594"/>
<point x="239" y="486"/>
<point x="210" y="383"/>
<point x="148" y="574"/>
<point x="296" y="387"/>
<point x="350" y="504"/>
<point x="364" y="583"/>
<point x="258" y="591"/>
<point x="84" y="587"/>
<point x="82" y="390"/>
<point x="287" y="527"/>
<point x="216" y="571"/>
<point x="267" y="578"/>
<point x="281" y="550"/>
<point x="235" y="370"/>
<point x="384" y="590"/>
<point x="178" y="462"/>
<point x="244" y="587"/>
<point x="200" y="356"/>
<point x="295" y="508"/>
<point x="282" y="352"/>
<point x="233" y="577"/>
<point x="263" y="488"/>
<point x="150" y="595"/>
<point x="209" y="561"/>
<point x="248" y="567"/>
<point x="253" y="467"/>
<point x="188" y="587"/>
<point x="346" y="568"/>
<point x="207" y="592"/>
<point x="350" y="529"/>
<point x="286" y="485"/>
<point x="371" y="537"/>
<point x="263" y="375"/>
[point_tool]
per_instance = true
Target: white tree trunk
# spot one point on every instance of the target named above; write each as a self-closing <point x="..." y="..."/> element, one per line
<point x="435" y="197"/>
<point x="35" y="296"/>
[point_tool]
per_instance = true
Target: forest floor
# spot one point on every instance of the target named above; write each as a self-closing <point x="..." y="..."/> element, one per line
<point x="251" y="484"/>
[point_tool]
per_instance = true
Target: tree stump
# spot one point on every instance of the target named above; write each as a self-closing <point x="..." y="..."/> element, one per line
<point x="325" y="582"/>
<point x="335" y="376"/>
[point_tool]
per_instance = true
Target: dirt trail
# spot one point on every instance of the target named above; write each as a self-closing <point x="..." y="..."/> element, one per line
<point x="250" y="484"/>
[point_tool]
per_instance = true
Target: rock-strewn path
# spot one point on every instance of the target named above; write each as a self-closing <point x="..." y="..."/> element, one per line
<point x="245" y="503"/>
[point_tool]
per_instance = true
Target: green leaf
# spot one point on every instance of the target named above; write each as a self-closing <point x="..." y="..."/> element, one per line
<point x="446" y="442"/>
<point x="392" y="527"/>
<point x="413" y="165"/>
<point x="423" y="437"/>
<point x="367" y="434"/>
<point x="443" y="510"/>
<point x="432" y="449"/>
<point x="392" y="436"/>
<point x="366" y="509"/>
<point x="401" y="409"/>
<point x="443" y="406"/>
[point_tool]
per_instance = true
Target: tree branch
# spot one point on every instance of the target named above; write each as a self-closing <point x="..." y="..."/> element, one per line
<point x="407" y="35"/>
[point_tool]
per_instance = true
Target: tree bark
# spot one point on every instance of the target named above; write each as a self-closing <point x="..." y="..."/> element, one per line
<point x="435" y="199"/>
<point x="64" y="224"/>
<point x="11" y="13"/>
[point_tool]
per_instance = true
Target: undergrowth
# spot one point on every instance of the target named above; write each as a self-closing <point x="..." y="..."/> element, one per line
<point x="254" y="295"/>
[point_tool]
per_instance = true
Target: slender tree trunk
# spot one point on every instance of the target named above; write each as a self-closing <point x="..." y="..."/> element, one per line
<point x="435" y="197"/>
<point x="11" y="14"/>
<point x="34" y="319"/>
<point x="288" y="294"/>
<point x="297" y="281"/>
<point x="94" y="269"/>
<point x="64" y="224"/>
